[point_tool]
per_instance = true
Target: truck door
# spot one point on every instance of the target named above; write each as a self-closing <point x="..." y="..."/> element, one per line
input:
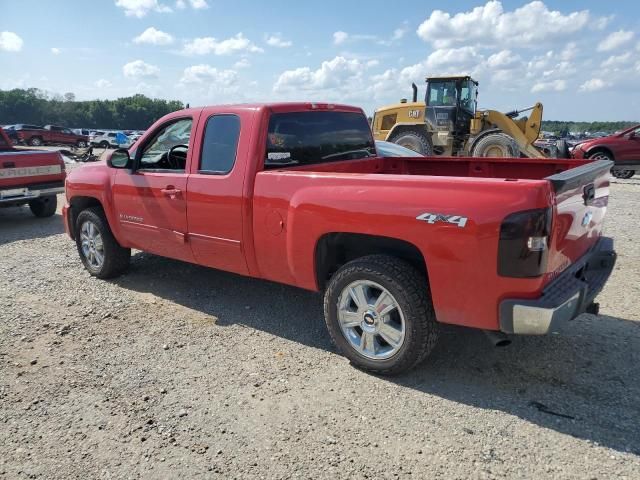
<point x="628" y="146"/>
<point x="150" y="201"/>
<point x="215" y="192"/>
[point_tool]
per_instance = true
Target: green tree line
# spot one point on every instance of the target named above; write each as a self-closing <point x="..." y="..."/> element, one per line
<point x="562" y="128"/>
<point x="38" y="107"/>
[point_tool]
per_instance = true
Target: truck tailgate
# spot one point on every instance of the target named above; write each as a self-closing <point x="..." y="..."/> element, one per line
<point x="581" y="198"/>
<point x="23" y="168"/>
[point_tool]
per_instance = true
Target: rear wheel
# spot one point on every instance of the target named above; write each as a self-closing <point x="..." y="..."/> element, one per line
<point x="81" y="144"/>
<point x="99" y="251"/>
<point x="379" y="314"/>
<point x="44" y="206"/>
<point x="496" y="144"/>
<point x="35" y="141"/>
<point x="104" y="144"/>
<point x="622" y="173"/>
<point x="416" y="140"/>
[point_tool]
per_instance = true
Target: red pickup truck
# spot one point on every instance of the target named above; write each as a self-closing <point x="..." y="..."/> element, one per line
<point x="30" y="177"/>
<point x="295" y="193"/>
<point x="48" y="135"/>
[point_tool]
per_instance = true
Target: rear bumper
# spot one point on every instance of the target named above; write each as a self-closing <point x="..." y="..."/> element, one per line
<point x="565" y="298"/>
<point x="26" y="194"/>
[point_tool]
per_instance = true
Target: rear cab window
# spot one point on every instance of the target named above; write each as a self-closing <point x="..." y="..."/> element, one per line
<point x="220" y="144"/>
<point x="314" y="137"/>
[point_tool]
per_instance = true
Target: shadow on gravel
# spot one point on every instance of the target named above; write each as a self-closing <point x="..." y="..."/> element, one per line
<point x="584" y="382"/>
<point x="17" y="223"/>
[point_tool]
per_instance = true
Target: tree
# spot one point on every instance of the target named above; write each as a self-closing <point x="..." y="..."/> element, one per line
<point x="36" y="106"/>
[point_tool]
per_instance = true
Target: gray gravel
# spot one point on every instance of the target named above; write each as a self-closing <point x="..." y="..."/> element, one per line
<point x="177" y="370"/>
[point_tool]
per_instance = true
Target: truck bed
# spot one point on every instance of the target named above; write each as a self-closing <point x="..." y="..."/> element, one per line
<point x="508" y="168"/>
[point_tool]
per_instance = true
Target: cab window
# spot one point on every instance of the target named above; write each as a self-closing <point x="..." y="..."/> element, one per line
<point x="168" y="148"/>
<point x="442" y="94"/>
<point x="220" y="144"/>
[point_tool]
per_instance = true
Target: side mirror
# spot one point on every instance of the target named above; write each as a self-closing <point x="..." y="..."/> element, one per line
<point x="119" y="159"/>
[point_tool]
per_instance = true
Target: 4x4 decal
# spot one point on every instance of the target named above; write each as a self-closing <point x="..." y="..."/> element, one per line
<point x="439" y="217"/>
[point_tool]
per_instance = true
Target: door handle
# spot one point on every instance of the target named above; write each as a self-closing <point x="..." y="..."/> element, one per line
<point x="171" y="191"/>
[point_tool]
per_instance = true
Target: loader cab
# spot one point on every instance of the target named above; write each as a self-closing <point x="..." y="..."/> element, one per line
<point x="451" y="103"/>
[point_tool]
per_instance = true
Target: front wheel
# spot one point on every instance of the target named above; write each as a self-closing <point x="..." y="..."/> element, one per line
<point x="43" y="207"/>
<point x="99" y="251"/>
<point x="35" y="141"/>
<point x="379" y="314"/>
<point x="417" y="140"/>
<point x="81" y="144"/>
<point x="496" y="144"/>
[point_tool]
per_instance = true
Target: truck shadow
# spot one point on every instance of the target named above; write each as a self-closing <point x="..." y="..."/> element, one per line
<point x="17" y="223"/>
<point x="583" y="382"/>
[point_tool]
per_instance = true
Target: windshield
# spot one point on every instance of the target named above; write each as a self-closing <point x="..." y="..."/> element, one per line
<point x="306" y="138"/>
<point x="468" y="96"/>
<point x="442" y="94"/>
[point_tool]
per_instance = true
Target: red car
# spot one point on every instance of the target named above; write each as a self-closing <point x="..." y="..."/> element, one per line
<point x="48" y="135"/>
<point x="622" y="147"/>
<point x="296" y="193"/>
<point x="30" y="177"/>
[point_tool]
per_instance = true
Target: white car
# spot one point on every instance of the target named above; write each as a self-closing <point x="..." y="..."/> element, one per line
<point x="111" y="140"/>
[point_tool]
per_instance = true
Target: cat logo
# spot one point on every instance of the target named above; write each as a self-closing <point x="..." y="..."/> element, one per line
<point x="415" y="113"/>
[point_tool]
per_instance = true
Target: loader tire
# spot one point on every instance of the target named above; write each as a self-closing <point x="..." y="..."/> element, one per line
<point x="417" y="140"/>
<point x="496" y="144"/>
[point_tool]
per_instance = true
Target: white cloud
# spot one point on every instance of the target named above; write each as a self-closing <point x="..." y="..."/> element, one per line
<point x="594" y="85"/>
<point x="616" y="61"/>
<point x="615" y="40"/>
<point x="277" y="41"/>
<point x="552" y="86"/>
<point x="140" y="69"/>
<point x="181" y="4"/>
<point x="340" y="37"/>
<point x="199" y="4"/>
<point x="527" y="26"/>
<point x="206" y="45"/>
<point x="10" y="42"/>
<point x="55" y="51"/>
<point x="503" y="59"/>
<point x="207" y="74"/>
<point x="332" y="74"/>
<point x="140" y="8"/>
<point x="451" y="61"/>
<point x="242" y="63"/>
<point x="102" y="83"/>
<point x="399" y="33"/>
<point x="569" y="52"/>
<point x="154" y="36"/>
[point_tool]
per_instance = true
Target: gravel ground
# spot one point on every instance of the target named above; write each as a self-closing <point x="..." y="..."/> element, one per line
<point x="177" y="370"/>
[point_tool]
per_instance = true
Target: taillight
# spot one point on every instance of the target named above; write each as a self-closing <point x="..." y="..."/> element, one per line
<point x="524" y="243"/>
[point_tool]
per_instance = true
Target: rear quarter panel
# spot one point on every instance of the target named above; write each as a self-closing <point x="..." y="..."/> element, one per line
<point x="293" y="210"/>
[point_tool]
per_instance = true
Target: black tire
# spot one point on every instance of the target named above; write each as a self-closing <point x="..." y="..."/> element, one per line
<point x="563" y="149"/>
<point x="35" y="141"/>
<point x="496" y="144"/>
<point x="81" y="144"/>
<point x="416" y="140"/>
<point x="622" y="173"/>
<point x="411" y="292"/>
<point x="116" y="258"/>
<point x="44" y="206"/>
<point x="104" y="144"/>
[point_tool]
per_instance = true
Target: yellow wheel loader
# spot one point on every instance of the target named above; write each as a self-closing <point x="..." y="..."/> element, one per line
<point x="449" y="123"/>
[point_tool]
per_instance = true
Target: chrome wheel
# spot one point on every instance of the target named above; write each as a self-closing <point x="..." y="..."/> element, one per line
<point x="92" y="245"/>
<point x="622" y="173"/>
<point x="600" y="156"/>
<point x="371" y="320"/>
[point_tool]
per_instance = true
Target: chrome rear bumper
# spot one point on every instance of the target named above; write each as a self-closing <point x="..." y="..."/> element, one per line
<point x="565" y="298"/>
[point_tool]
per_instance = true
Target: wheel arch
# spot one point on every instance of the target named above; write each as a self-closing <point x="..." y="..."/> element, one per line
<point x="600" y="148"/>
<point x="333" y="250"/>
<point x="78" y="204"/>
<point x="404" y="126"/>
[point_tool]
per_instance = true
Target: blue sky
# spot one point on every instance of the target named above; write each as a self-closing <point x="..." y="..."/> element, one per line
<point x="580" y="58"/>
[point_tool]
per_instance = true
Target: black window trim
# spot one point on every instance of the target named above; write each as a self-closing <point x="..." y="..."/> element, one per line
<point x="204" y="134"/>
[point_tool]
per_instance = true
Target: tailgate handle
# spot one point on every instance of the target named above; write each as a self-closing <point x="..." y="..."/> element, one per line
<point x="8" y="164"/>
<point x="589" y="194"/>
